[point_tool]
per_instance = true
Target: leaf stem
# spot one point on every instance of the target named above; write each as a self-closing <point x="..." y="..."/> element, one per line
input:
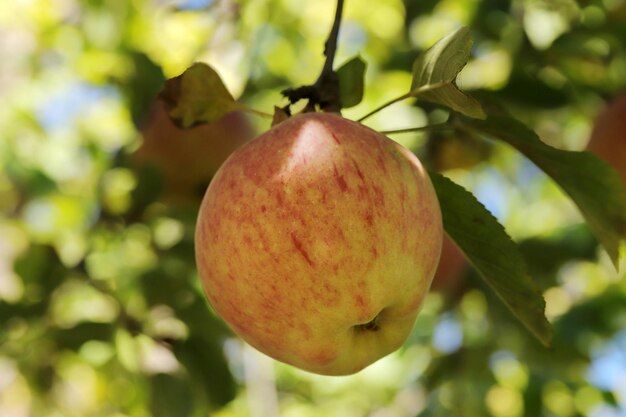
<point x="413" y="93"/>
<point x="387" y="104"/>
<point x="255" y="111"/>
<point x="428" y="87"/>
<point x="437" y="126"/>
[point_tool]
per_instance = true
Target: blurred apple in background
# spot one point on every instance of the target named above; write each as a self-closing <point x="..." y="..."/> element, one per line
<point x="317" y="242"/>
<point x="187" y="159"/>
<point x="608" y="138"/>
<point x="457" y="150"/>
<point x="451" y="269"/>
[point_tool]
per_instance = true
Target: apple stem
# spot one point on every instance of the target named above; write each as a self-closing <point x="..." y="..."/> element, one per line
<point x="325" y="91"/>
<point x="369" y="326"/>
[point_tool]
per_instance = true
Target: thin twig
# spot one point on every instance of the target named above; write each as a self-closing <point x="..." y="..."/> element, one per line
<point x="387" y="104"/>
<point x="437" y="126"/>
<point x="413" y="93"/>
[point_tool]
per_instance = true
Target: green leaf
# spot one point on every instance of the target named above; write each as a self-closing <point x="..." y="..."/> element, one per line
<point x="204" y="360"/>
<point x="435" y="72"/>
<point x="170" y="396"/>
<point x="73" y="338"/>
<point x="545" y="255"/>
<point x="142" y="86"/>
<point x="197" y="96"/>
<point x="592" y="184"/>
<point x="351" y="81"/>
<point x="493" y="254"/>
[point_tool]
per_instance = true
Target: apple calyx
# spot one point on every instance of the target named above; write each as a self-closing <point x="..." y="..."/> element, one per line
<point x="371" y="326"/>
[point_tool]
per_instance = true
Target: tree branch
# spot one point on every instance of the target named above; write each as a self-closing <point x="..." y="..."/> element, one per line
<point x="330" y="47"/>
<point x="325" y="91"/>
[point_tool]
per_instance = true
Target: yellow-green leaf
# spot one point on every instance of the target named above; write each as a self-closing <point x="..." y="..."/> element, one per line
<point x="197" y="96"/>
<point x="435" y="72"/>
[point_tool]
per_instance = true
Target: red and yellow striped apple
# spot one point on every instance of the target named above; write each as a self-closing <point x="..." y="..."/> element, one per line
<point x="317" y="242"/>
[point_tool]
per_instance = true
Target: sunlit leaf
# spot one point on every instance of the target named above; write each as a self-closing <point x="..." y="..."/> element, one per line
<point x="435" y="72"/>
<point x="493" y="254"/>
<point x="351" y="82"/>
<point x="592" y="184"/>
<point x="197" y="96"/>
<point x="127" y="350"/>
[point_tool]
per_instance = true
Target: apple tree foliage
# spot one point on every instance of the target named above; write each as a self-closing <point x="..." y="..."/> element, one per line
<point x="101" y="312"/>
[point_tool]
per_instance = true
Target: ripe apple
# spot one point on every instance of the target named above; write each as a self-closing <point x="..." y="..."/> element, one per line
<point x="608" y="138"/>
<point x="188" y="158"/>
<point x="451" y="269"/>
<point x="317" y="241"/>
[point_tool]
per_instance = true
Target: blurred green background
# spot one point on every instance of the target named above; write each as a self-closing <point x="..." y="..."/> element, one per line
<point x="101" y="311"/>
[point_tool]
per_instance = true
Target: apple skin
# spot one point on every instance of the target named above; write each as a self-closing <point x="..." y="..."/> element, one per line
<point x="608" y="137"/>
<point x="188" y="158"/>
<point x="317" y="242"/>
<point x="451" y="269"/>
